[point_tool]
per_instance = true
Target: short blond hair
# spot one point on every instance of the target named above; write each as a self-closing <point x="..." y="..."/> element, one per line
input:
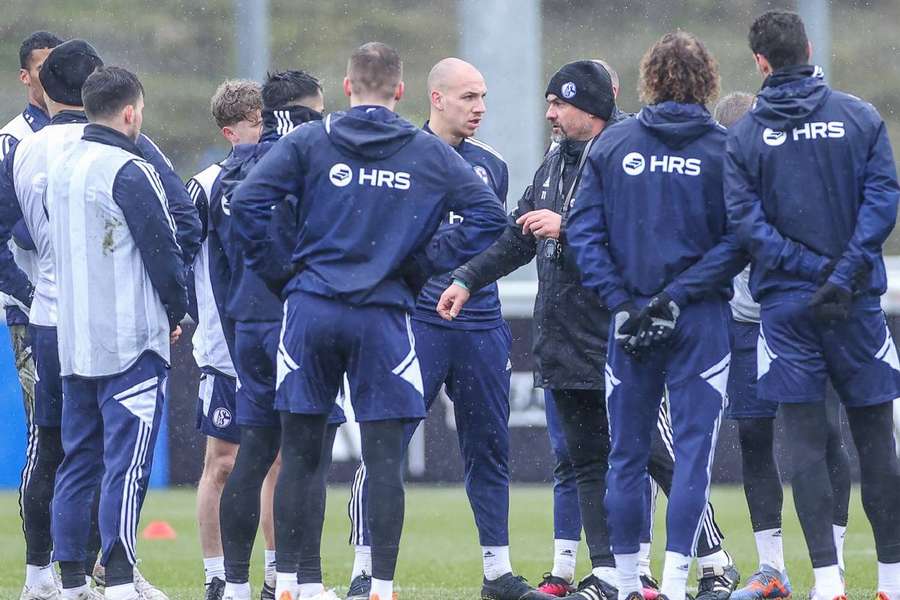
<point x="235" y="100"/>
<point x="732" y="107"/>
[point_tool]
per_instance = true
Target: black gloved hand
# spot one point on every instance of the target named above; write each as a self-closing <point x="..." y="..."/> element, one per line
<point x="658" y="321"/>
<point x="862" y="278"/>
<point x="627" y="323"/>
<point x="831" y="303"/>
<point x="826" y="271"/>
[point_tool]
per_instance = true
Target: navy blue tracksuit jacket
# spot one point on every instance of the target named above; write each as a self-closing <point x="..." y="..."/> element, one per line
<point x="644" y="221"/>
<point x="809" y="177"/>
<point x="371" y="191"/>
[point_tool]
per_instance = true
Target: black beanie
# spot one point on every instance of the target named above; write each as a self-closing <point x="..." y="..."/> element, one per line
<point x="66" y="69"/>
<point x="586" y="85"/>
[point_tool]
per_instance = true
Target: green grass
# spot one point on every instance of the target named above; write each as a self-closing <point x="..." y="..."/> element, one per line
<point x="439" y="557"/>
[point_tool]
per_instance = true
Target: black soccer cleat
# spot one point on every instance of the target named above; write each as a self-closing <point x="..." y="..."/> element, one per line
<point x="360" y="587"/>
<point x="717" y="583"/>
<point x="267" y="592"/>
<point x="510" y="587"/>
<point x="215" y="589"/>
<point x="594" y="588"/>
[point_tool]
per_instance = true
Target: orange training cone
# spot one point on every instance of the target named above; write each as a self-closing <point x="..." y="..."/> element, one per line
<point x="159" y="530"/>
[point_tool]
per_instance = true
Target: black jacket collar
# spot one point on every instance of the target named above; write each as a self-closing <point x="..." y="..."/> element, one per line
<point x="106" y="135"/>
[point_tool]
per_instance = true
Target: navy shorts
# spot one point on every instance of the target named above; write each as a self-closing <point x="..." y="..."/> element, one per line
<point x="797" y="354"/>
<point x="48" y="391"/>
<point x="743" y="401"/>
<point x="255" y="346"/>
<point x="216" y="406"/>
<point x="374" y="345"/>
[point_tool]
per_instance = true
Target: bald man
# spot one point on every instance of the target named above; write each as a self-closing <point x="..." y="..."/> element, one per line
<point x="469" y="355"/>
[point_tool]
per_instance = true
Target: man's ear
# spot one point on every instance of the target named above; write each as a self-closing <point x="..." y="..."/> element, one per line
<point x="398" y="92"/>
<point x="347" y="88"/>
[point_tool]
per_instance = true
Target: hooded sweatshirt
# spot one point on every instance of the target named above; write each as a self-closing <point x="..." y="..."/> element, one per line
<point x="371" y="191"/>
<point x="649" y="215"/>
<point x="809" y="177"/>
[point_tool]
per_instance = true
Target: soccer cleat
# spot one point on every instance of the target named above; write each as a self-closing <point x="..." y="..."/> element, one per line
<point x="717" y="583"/>
<point x="267" y="592"/>
<point x="768" y="582"/>
<point x="215" y="589"/>
<point x="326" y="595"/>
<point x="649" y="587"/>
<point x="882" y="596"/>
<point x="594" y="588"/>
<point x="360" y="587"/>
<point x="510" y="587"/>
<point x="40" y="592"/>
<point x="394" y="596"/>
<point x="145" y="589"/>
<point x="555" y="586"/>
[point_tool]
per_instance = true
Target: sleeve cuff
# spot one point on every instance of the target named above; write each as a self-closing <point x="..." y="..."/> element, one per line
<point x="677" y="293"/>
<point x="618" y="298"/>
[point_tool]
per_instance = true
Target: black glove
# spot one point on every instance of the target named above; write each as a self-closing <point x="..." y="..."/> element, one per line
<point x="826" y="271"/>
<point x="627" y="323"/>
<point x="831" y="303"/>
<point x="658" y="321"/>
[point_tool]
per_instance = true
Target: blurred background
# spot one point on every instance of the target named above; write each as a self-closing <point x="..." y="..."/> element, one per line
<point x="182" y="49"/>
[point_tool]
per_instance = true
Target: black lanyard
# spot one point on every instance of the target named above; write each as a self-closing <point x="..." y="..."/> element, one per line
<point x="567" y="201"/>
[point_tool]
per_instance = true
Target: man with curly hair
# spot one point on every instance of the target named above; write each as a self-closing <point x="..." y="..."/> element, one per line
<point x="659" y="176"/>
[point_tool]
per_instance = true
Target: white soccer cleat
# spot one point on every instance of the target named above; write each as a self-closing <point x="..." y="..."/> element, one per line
<point x="145" y="589"/>
<point x="40" y="592"/>
<point x="326" y="595"/>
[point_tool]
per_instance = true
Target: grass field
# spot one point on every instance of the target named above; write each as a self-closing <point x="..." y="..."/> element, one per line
<point x="439" y="558"/>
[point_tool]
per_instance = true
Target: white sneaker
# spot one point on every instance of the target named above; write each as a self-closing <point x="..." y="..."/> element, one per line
<point x="146" y="590"/>
<point x="326" y="595"/>
<point x="40" y="592"/>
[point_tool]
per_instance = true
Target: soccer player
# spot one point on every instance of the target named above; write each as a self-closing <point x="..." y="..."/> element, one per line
<point x="254" y="314"/>
<point x="756" y="427"/>
<point x="371" y="190"/>
<point x="121" y="283"/>
<point x="660" y="175"/>
<point x="36" y="487"/>
<point x="236" y="107"/>
<point x="469" y="355"/>
<point x="812" y="193"/>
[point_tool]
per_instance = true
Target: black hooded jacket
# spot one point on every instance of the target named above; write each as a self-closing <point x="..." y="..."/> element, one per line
<point x="571" y="324"/>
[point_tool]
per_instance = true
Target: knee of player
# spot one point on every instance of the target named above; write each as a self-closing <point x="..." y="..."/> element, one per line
<point x="219" y="466"/>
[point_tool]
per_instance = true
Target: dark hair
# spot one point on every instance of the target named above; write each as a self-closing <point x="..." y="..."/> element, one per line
<point x="679" y="68"/>
<point x="285" y="87"/>
<point x="108" y="90"/>
<point x="376" y="69"/>
<point x="780" y="36"/>
<point x="235" y="100"/>
<point x="36" y="41"/>
<point x="732" y="107"/>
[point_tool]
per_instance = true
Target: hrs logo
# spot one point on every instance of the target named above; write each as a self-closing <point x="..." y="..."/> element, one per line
<point x="808" y="131"/>
<point x="634" y="163"/>
<point x="342" y="175"/>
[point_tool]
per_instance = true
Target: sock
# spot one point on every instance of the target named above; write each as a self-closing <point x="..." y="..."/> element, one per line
<point x="270" y="568"/>
<point x="565" y="556"/>
<point x="362" y="561"/>
<point x="828" y="582"/>
<point x="840" y="532"/>
<point x="607" y="574"/>
<point x="126" y="591"/>
<point x="628" y="577"/>
<point x="237" y="591"/>
<point x="308" y="590"/>
<point x="644" y="560"/>
<point x="675" y="575"/>
<point x="75" y="593"/>
<point x="496" y="561"/>
<point x="214" y="567"/>
<point x="381" y="589"/>
<point x="286" y="582"/>
<point x="36" y="576"/>
<point x="716" y="559"/>
<point x="770" y="548"/>
<point x="889" y="579"/>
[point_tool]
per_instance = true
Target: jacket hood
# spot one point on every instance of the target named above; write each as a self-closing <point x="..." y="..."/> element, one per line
<point x="790" y="95"/>
<point x="676" y="125"/>
<point x="369" y="132"/>
<point x="280" y="122"/>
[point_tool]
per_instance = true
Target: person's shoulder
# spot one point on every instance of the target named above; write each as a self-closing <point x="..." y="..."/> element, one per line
<point x="479" y="148"/>
<point x="207" y="177"/>
<point x="851" y="104"/>
<point x="17" y="127"/>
